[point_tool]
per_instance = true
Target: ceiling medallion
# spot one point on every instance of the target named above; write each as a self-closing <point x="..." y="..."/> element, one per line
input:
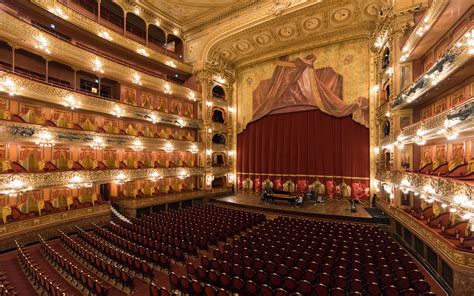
<point x="312" y="23"/>
<point x="279" y="7"/>
<point x="341" y="15"/>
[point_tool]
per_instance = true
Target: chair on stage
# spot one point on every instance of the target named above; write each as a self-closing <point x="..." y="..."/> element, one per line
<point x="302" y="186"/>
<point x="277" y="184"/>
<point x="331" y="189"/>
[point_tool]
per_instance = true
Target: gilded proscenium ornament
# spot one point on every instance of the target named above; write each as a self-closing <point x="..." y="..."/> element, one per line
<point x="77" y="57"/>
<point x="16" y="131"/>
<point x="93" y="27"/>
<point x="63" y="178"/>
<point x="52" y="94"/>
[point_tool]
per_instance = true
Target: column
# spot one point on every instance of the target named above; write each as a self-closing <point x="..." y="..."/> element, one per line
<point x="98" y="11"/>
<point x="47" y="69"/>
<point x="13" y="58"/>
<point x="146" y="34"/>
<point x="124" y="23"/>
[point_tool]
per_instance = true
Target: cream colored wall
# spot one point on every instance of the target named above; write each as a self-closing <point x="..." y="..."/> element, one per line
<point x="348" y="58"/>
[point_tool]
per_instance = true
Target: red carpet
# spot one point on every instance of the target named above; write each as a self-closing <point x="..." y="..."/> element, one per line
<point x="9" y="264"/>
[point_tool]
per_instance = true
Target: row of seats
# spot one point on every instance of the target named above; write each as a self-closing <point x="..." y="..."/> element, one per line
<point x="83" y="278"/>
<point x="107" y="268"/>
<point x="6" y="287"/>
<point x="36" y="274"/>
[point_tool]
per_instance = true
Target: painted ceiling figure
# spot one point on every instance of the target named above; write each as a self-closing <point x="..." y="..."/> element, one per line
<point x="297" y="86"/>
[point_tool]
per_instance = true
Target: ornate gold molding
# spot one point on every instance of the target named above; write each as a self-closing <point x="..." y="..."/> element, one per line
<point x="56" y="95"/>
<point x="63" y="178"/>
<point x="12" y="131"/>
<point x="94" y="28"/>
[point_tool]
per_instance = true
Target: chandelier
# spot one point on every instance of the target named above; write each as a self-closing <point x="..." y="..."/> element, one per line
<point x="194" y="149"/>
<point x="137" y="145"/>
<point x="168" y="147"/>
<point x="155" y="176"/>
<point x="76" y="183"/>
<point x="98" y="144"/>
<point x="278" y="7"/>
<point x="45" y="139"/>
<point x="121" y="179"/>
<point x="16" y="187"/>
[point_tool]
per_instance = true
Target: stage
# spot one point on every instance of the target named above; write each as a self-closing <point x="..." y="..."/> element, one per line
<point x="338" y="209"/>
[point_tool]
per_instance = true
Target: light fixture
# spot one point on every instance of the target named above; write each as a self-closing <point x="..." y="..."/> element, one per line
<point x="10" y="86"/>
<point x="209" y="103"/>
<point x="97" y="65"/>
<point x="71" y="102"/>
<point x="429" y="189"/>
<point x="59" y="12"/>
<point x="389" y="71"/>
<point x="209" y="179"/>
<point x="154" y="176"/>
<point x="171" y="63"/>
<point x="231" y="109"/>
<point x="16" y="187"/>
<point x="183" y="174"/>
<point x="209" y="130"/>
<point x="143" y="52"/>
<point x="467" y="216"/>
<point x="42" y="43"/>
<point x="460" y="199"/>
<point x="208" y="152"/>
<point x="376" y="150"/>
<point x="444" y="206"/>
<point x="168" y="147"/>
<point x="452" y="210"/>
<point x="379" y="41"/>
<point x="192" y="96"/>
<point x="181" y="123"/>
<point x="430" y="200"/>
<point x="405" y="182"/>
<point x="137" y="145"/>
<point x="76" y="183"/>
<point x="136" y="78"/>
<point x="45" y="139"/>
<point x="388" y="113"/>
<point x="157" y="22"/>
<point x="176" y="31"/>
<point x="117" y="111"/>
<point x="137" y="11"/>
<point x="220" y="79"/>
<point x="105" y="35"/>
<point x="231" y="153"/>
<point x="121" y="179"/>
<point x="230" y="178"/>
<point x="470" y="41"/>
<point x="375" y="88"/>
<point x="152" y="117"/>
<point x="98" y="144"/>
<point x="194" y="149"/>
<point x="167" y="89"/>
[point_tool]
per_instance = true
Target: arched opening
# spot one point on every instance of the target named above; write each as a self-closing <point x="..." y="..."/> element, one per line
<point x="386" y="59"/>
<point x="156" y="36"/>
<point x="5" y="56"/>
<point x="60" y="74"/>
<point x="218" y="92"/>
<point x="218" y="159"/>
<point x="218" y="116"/>
<point x="218" y="139"/>
<point x="89" y="5"/>
<point x="30" y="64"/>
<point x="219" y="182"/>
<point x="111" y="15"/>
<point x="136" y="25"/>
<point x="174" y="45"/>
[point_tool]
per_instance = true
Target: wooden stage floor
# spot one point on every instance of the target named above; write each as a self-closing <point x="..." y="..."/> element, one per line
<point x="331" y="209"/>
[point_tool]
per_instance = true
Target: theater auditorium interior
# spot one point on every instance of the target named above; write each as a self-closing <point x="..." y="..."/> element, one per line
<point x="237" y="147"/>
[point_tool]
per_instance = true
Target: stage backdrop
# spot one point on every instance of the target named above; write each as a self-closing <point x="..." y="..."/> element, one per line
<point x="306" y="115"/>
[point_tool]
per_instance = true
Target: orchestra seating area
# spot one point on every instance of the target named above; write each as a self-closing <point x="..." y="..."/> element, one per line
<point x="216" y="250"/>
<point x="288" y="255"/>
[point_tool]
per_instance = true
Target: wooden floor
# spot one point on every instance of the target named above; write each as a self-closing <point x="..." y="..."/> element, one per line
<point x="332" y="208"/>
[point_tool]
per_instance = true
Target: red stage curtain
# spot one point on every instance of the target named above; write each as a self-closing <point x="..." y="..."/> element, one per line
<point x="304" y="143"/>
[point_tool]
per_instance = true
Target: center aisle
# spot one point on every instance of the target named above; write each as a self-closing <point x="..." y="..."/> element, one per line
<point x="49" y="270"/>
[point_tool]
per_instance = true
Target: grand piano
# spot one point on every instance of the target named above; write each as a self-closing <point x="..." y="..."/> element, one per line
<point x="271" y="195"/>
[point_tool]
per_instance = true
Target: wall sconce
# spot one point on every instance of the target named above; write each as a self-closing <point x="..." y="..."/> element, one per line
<point x="59" y="12"/>
<point x="230" y="178"/>
<point x="220" y="79"/>
<point x="194" y="149"/>
<point x="155" y="176"/>
<point x="42" y="43"/>
<point x="98" y="144"/>
<point x="192" y="96"/>
<point x="105" y="35"/>
<point x="143" y="52"/>
<point x="167" y="89"/>
<point x="121" y="179"/>
<point x="376" y="150"/>
<point x="168" y="147"/>
<point x="136" y="78"/>
<point x="16" y="187"/>
<point x="117" y="111"/>
<point x="137" y="145"/>
<point x="45" y="139"/>
<point x="76" y="183"/>
<point x="171" y="63"/>
<point x="97" y="66"/>
<point x="231" y="153"/>
<point x="9" y="86"/>
<point x="231" y="109"/>
<point x="209" y="180"/>
<point x="209" y="103"/>
<point x="209" y="130"/>
<point x="152" y="117"/>
<point x="71" y="102"/>
<point x="183" y="175"/>
<point x="208" y="152"/>
<point x="181" y="123"/>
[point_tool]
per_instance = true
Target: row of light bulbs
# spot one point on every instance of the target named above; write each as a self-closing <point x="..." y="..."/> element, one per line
<point x="428" y="194"/>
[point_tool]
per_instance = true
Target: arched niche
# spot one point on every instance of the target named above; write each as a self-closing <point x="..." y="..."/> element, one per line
<point x="218" y="92"/>
<point x="218" y="139"/>
<point x="219" y="182"/>
<point x="219" y="159"/>
<point x="111" y="13"/>
<point x="175" y="44"/>
<point x="218" y="115"/>
<point x="136" y="25"/>
<point x="156" y="36"/>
